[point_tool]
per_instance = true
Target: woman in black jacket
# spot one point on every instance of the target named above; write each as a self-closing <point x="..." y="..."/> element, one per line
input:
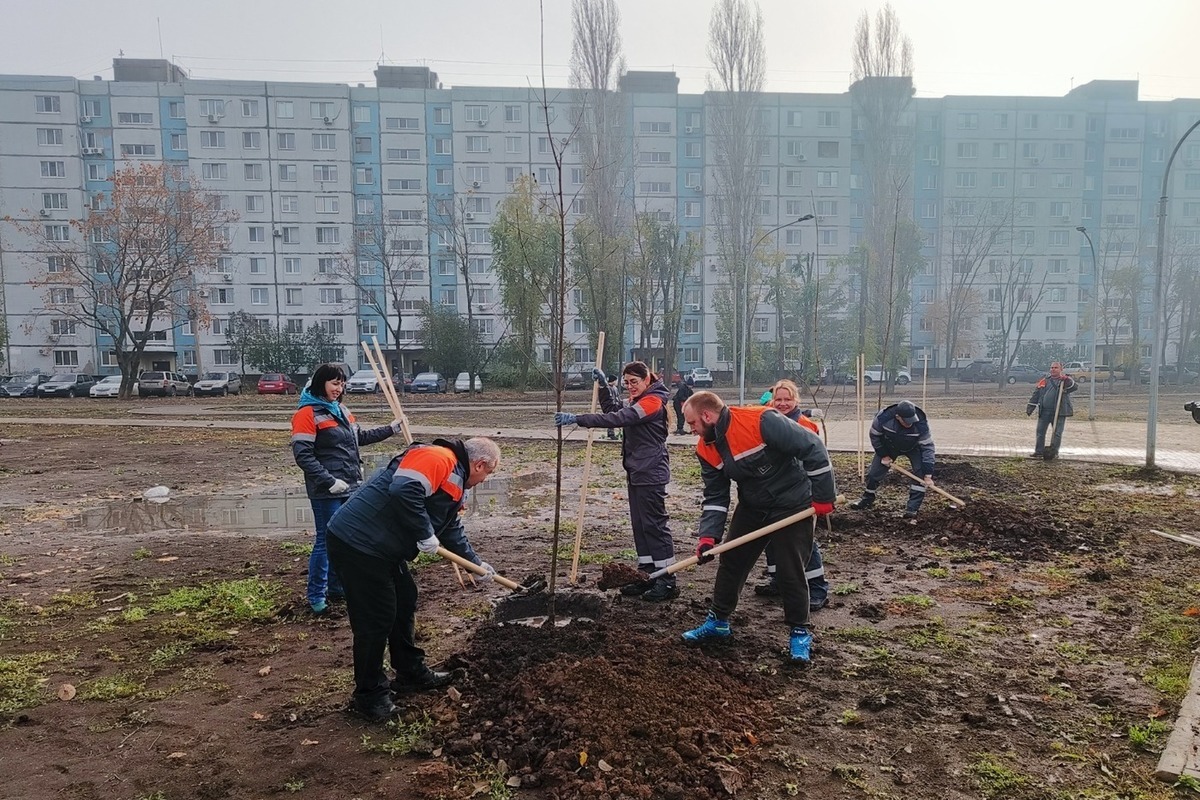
<point x="647" y="469"/>
<point x="325" y="442"/>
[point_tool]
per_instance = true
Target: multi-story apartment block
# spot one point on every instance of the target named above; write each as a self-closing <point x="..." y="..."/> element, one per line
<point x="310" y="168"/>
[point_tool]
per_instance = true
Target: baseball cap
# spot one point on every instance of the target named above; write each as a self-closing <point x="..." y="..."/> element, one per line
<point x="906" y="412"/>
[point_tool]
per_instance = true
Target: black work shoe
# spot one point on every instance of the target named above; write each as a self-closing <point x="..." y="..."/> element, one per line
<point x="1036" y="454"/>
<point x="768" y="588"/>
<point x="862" y="504"/>
<point x="910" y="514"/>
<point x="379" y="711"/>
<point x="660" y="592"/>
<point x="817" y="605"/>
<point x="637" y="587"/>
<point x="421" y="680"/>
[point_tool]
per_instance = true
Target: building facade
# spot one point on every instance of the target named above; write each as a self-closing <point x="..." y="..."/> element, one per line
<point x="309" y="166"/>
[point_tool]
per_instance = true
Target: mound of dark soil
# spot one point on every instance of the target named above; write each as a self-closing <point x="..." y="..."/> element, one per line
<point x="615" y="575"/>
<point x="953" y="476"/>
<point x="595" y="710"/>
<point x="998" y="527"/>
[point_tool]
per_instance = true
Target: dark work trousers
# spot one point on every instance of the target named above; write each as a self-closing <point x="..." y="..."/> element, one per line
<point x="814" y="572"/>
<point x="1043" y="423"/>
<point x="879" y="471"/>
<point x="381" y="599"/>
<point x="791" y="545"/>
<point x="651" y="533"/>
<point x="678" y="415"/>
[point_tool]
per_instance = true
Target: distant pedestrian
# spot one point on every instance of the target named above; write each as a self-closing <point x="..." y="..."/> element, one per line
<point x="325" y="442"/>
<point x="682" y="393"/>
<point x="1051" y="399"/>
<point x="900" y="430"/>
<point x="647" y="467"/>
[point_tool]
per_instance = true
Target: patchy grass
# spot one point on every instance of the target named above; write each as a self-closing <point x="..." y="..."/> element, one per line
<point x="1150" y="736"/>
<point x="994" y="778"/>
<point x="23" y="678"/>
<point x="245" y="600"/>
<point x="112" y="687"/>
<point x="296" y="548"/>
<point x="843" y="589"/>
<point x="402" y="737"/>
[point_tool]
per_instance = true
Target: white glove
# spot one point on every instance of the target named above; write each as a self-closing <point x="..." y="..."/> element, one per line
<point x="489" y="571"/>
<point x="398" y="425"/>
<point x="816" y="413"/>
<point x="339" y="486"/>
<point x="429" y="545"/>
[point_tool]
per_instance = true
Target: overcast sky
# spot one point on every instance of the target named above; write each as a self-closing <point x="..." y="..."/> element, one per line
<point x="1016" y="47"/>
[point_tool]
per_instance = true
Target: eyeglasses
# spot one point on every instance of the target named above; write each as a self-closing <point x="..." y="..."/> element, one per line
<point x="631" y="381"/>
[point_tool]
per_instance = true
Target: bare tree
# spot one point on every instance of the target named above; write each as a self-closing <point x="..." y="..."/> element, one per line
<point x="132" y="266"/>
<point x="738" y="57"/>
<point x="663" y="256"/>
<point x="602" y="242"/>
<point x="1020" y="297"/>
<point x="881" y="95"/>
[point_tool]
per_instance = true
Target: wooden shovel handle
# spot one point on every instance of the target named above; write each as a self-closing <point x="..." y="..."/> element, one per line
<point x="471" y="566"/>
<point x="741" y="540"/>
<point x="935" y="487"/>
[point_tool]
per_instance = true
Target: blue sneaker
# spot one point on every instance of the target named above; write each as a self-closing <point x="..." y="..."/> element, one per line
<point x="319" y="608"/>
<point x="800" y="647"/>
<point x="712" y="628"/>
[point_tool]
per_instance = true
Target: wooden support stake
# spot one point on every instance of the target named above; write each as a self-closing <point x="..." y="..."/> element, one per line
<point x="587" y="465"/>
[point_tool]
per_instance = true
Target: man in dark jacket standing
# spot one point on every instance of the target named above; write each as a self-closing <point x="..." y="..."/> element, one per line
<point x="647" y="467"/>
<point x="900" y="430"/>
<point x="1046" y="401"/>
<point x="781" y="469"/>
<point x="682" y="393"/>
<point x="410" y="506"/>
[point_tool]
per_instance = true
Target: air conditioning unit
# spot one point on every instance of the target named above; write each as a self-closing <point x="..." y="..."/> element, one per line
<point x="214" y="118"/>
<point x="689" y="129"/>
<point x="933" y="162"/>
<point x="469" y="216"/>
<point x="693" y="306"/>
<point x="327" y="120"/>
<point x="474" y="184"/>
<point x="93" y="151"/>
<point x="698" y="187"/>
<point x="481" y="122"/>
<point x="85" y="119"/>
<point x="203" y="294"/>
<point x="43" y="212"/>
<point x="227" y="278"/>
<point x="802" y="157"/>
<point x="712" y="267"/>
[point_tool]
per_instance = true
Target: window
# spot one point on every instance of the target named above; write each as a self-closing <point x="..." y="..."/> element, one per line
<point x="828" y="119"/>
<point x="258" y="266"/>
<point x="1031" y="122"/>
<point x="47" y="104"/>
<point x="325" y="173"/>
<point x="289" y="203"/>
<point x="403" y="154"/>
<point x="477" y="174"/>
<point x="968" y="150"/>
<point x="691" y="209"/>
<point x="289" y="235"/>
<point x="827" y="179"/>
<point x="328" y="235"/>
<point x="175" y="110"/>
<point x="253" y="172"/>
<point x="50" y="137"/>
<point x="478" y="144"/>
<point x="1124" y="133"/>
<point x="320" y="109"/>
<point x="1061" y="180"/>
<point x="222" y="297"/>
<point x="58" y="233"/>
<point x="286" y="141"/>
<point x="829" y="236"/>
<point x="964" y="180"/>
<point x="764" y="208"/>
<point x="652" y="157"/>
<point x="512" y="174"/>
<point x="1028" y="180"/>
<point x="362" y="144"/>
<point x="53" y="201"/>
<point x="1062" y="151"/>
<point x="249" y="108"/>
<point x="134" y="118"/>
<point x="330" y="297"/>
<point x="929" y="211"/>
<point x="257" y="233"/>
<point x="828" y="149"/>
<point x="441" y="116"/>
<point x="1057" y="294"/>
<point x="764" y="177"/>
<point x="63" y="327"/>
<point x="654" y="187"/>
<point x="793" y="236"/>
<point x="324" y="141"/>
<point x="258" y="296"/>
<point x="138" y="150"/>
<point x="326" y="204"/>
<point x="968" y="122"/>
<point x="1060" y="208"/>
<point x="291" y="266"/>
<point x="54" y="169"/>
<point x="999" y="180"/>
<point x="56" y="264"/>
<point x="402" y="124"/>
<point x="654" y="127"/>
<point x="1059" y="239"/>
<point x="1056" y="324"/>
<point x="255" y="203"/>
<point x="364" y="207"/>
<point x="294" y="296"/>
<point x="179" y="142"/>
<point x="214" y="172"/>
<point x="212" y="107"/>
<point x="795" y="119"/>
<point x="1000" y="150"/>
<point x="66" y="358"/>
<point x="1057" y="266"/>
<point x="364" y="176"/>
<point x="476" y="113"/>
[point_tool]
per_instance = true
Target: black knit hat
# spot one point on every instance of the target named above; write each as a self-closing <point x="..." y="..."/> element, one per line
<point x="906" y="412"/>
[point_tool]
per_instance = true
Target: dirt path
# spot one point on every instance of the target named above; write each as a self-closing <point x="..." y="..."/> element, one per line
<point x="1034" y="645"/>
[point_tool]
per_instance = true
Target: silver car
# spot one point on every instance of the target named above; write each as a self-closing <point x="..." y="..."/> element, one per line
<point x="362" y="382"/>
<point x="110" y="386"/>
<point x="221" y="383"/>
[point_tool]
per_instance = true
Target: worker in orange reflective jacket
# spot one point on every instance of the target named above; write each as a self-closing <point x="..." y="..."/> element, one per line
<point x="411" y="506"/>
<point x="781" y="469"/>
<point x="1051" y="399"/>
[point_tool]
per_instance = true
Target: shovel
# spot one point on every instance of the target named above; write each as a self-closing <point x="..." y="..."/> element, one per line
<point x="1051" y="452"/>
<point x="741" y="540"/>
<point x="530" y="586"/>
<point x="935" y="487"/>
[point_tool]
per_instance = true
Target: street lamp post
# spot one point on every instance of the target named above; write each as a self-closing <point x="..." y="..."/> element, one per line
<point x="1095" y="316"/>
<point x="1156" y="349"/>
<point x="744" y="334"/>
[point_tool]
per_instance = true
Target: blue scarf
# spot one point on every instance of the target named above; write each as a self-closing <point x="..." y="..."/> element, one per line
<point x="307" y="398"/>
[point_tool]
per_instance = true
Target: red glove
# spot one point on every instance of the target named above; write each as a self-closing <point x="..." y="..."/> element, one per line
<point x="822" y="509"/>
<point x="705" y="544"/>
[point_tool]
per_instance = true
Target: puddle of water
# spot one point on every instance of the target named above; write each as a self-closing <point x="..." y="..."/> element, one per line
<point x="1133" y="488"/>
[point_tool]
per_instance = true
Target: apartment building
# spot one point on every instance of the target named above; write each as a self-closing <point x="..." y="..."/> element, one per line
<point x="310" y="168"/>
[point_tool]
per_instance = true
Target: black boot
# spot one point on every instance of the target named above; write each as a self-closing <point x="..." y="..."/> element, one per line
<point x="663" y="589"/>
<point x="768" y="588"/>
<point x="420" y="680"/>
<point x="637" y="587"/>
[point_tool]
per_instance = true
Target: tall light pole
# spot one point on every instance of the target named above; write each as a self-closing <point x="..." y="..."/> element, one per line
<point x="744" y="334"/>
<point x="1156" y="349"/>
<point x="1095" y="316"/>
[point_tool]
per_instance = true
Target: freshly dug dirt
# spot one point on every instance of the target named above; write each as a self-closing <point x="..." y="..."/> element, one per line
<point x="614" y="576"/>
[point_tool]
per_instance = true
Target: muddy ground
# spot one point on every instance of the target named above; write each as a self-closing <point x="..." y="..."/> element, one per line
<point x="1035" y="644"/>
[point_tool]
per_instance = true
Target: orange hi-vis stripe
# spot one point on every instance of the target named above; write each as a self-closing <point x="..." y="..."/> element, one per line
<point x="744" y="435"/>
<point x="436" y="465"/>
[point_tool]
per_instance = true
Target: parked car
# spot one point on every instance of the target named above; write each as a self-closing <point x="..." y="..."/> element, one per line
<point x="1101" y="372"/>
<point x="463" y="383"/>
<point x="276" y="383"/>
<point x="700" y="377"/>
<point x="221" y="383"/>
<point x="575" y="379"/>
<point x="23" y="385"/>
<point x="1023" y="373"/>
<point x="1193" y="407"/>
<point x="363" y="382"/>
<point x="1170" y="375"/>
<point x="163" y="384"/>
<point x="402" y="382"/>
<point x="1074" y="368"/>
<point x="429" y="382"/>
<point x="875" y="372"/>
<point x="110" y="386"/>
<point x="979" y="372"/>
<point x="67" y="384"/>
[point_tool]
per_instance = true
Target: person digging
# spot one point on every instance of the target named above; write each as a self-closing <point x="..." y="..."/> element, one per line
<point x="781" y="469"/>
<point x="1051" y="399"/>
<point x="411" y="506"/>
<point x="901" y="429"/>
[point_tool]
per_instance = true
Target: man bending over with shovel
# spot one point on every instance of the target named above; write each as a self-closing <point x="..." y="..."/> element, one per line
<point x="1051" y="399"/>
<point x="411" y="506"/>
<point x="781" y="469"/>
